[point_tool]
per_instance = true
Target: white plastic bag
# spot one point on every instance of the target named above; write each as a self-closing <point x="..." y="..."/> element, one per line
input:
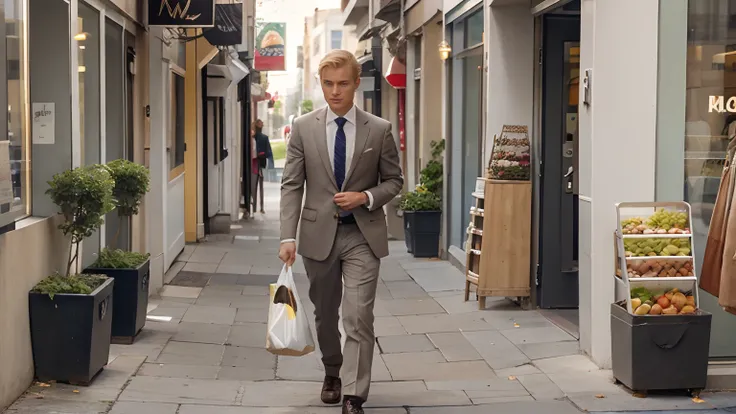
<point x="288" y="327"/>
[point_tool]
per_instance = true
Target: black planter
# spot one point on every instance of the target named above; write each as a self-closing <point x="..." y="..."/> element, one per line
<point x="422" y="232"/>
<point x="70" y="334"/>
<point x="662" y="352"/>
<point x="131" y="300"/>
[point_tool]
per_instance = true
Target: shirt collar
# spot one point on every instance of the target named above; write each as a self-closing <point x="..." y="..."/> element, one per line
<point x="350" y="116"/>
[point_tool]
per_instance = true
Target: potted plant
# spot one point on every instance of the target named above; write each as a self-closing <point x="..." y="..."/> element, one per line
<point x="422" y="208"/>
<point x="129" y="269"/>
<point x="71" y="314"/>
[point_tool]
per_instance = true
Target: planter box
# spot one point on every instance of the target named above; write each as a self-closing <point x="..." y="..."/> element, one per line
<point x="422" y="232"/>
<point x="663" y="352"/>
<point x="70" y="334"/>
<point x="130" y="299"/>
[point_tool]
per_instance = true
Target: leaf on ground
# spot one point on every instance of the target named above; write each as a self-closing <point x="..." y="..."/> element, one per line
<point x="512" y="378"/>
<point x="600" y="396"/>
<point x="76" y="391"/>
<point x="516" y="325"/>
<point x="698" y="400"/>
<point x="43" y="384"/>
<point x="640" y="395"/>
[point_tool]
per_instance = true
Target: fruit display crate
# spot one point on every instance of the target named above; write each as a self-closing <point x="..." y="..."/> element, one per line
<point x="654" y="249"/>
<point x="659" y="323"/>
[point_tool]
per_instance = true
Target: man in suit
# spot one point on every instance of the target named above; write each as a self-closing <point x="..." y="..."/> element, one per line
<point x="353" y="170"/>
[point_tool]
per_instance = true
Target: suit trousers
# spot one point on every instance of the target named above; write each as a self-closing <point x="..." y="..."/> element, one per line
<point x="257" y="181"/>
<point x="349" y="274"/>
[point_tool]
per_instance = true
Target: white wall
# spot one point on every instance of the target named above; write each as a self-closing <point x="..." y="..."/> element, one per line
<point x="510" y="90"/>
<point x="622" y="116"/>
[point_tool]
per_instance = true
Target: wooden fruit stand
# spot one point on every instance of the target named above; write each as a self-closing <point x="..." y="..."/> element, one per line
<point x="499" y="234"/>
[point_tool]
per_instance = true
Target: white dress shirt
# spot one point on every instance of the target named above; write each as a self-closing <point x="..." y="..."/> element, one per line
<point x="350" y="129"/>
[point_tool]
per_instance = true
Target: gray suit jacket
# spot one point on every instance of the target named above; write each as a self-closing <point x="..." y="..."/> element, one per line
<point x="375" y="167"/>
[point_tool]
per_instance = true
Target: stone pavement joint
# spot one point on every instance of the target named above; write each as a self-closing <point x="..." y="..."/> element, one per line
<point x="435" y="353"/>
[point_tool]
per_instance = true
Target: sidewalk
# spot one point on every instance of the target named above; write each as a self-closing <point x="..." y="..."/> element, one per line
<point x="436" y="354"/>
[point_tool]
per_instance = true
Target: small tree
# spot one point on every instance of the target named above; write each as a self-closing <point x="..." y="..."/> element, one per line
<point x="84" y="196"/>
<point x="132" y="182"/>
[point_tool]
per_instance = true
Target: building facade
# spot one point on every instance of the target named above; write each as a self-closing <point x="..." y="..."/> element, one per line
<point x="603" y="131"/>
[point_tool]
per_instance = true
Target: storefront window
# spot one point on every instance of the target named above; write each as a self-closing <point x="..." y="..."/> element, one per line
<point x="14" y="185"/>
<point x="710" y="106"/>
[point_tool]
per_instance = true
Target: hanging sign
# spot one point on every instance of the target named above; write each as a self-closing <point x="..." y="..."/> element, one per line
<point x="270" y="47"/>
<point x="228" y="30"/>
<point x="181" y="13"/>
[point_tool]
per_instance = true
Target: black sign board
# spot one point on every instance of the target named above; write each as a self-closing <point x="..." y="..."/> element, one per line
<point x="181" y="13"/>
<point x="228" y="30"/>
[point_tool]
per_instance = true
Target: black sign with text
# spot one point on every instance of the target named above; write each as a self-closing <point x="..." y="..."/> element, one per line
<point x="228" y="28"/>
<point x="181" y="13"/>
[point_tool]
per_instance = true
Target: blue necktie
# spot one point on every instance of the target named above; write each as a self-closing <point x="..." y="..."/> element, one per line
<point x="340" y="150"/>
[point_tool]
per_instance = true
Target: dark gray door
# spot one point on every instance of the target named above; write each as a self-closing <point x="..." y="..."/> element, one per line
<point x="558" y="267"/>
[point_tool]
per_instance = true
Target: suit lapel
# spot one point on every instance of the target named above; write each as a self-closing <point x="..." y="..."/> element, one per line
<point x="362" y="131"/>
<point x="320" y="135"/>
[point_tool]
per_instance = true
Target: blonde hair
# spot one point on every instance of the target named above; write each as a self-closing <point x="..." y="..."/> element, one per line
<point x="339" y="58"/>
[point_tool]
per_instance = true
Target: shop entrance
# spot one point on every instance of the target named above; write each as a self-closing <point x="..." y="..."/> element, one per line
<point x="557" y="273"/>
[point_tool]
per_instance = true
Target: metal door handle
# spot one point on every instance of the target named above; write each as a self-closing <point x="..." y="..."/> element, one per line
<point x="569" y="172"/>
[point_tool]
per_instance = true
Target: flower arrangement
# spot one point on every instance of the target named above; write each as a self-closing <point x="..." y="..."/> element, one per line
<point x="510" y="159"/>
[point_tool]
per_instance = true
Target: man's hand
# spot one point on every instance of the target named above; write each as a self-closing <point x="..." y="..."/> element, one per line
<point x="350" y="200"/>
<point x="287" y="253"/>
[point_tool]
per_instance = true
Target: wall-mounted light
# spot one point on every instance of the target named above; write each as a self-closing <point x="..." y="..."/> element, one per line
<point x="82" y="69"/>
<point x="445" y="50"/>
<point x="82" y="47"/>
<point x="80" y="37"/>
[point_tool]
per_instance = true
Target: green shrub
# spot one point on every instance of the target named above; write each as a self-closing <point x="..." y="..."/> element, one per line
<point x="132" y="182"/>
<point x="119" y="259"/>
<point x="428" y="194"/>
<point x="83" y="284"/>
<point x="420" y="200"/>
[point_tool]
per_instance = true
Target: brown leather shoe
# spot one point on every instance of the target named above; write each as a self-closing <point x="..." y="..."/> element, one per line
<point x="331" y="390"/>
<point x="352" y="406"/>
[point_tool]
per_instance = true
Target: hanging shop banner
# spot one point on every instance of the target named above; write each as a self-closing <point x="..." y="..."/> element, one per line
<point x="6" y="183"/>
<point x="228" y="30"/>
<point x="181" y="13"/>
<point x="270" y="47"/>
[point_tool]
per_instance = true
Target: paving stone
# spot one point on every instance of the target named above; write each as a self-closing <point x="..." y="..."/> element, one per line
<point x="51" y="405"/>
<point x="495" y="387"/>
<point x="201" y="409"/>
<point x="258" y="279"/>
<point x="228" y="279"/>
<point x="388" y="326"/>
<point x="595" y="382"/>
<point x="200" y="267"/>
<point x="210" y="314"/>
<point x="245" y="315"/>
<point x="524" y="369"/>
<point x="246" y="374"/>
<point x="255" y="358"/>
<point x="174" y="312"/>
<point x="379" y="371"/>
<point x="382" y="291"/>
<point x="129" y="407"/>
<point x="495" y="349"/>
<point x="202" y="332"/>
<point x="405" y="290"/>
<point x="393" y="273"/>
<point x="405" y="343"/>
<point x="178" y="371"/>
<point x="432" y="366"/>
<point x="523" y="335"/>
<point x="421" y="263"/>
<point x="178" y="390"/>
<point x="204" y="256"/>
<point x="234" y="269"/>
<point x="184" y="292"/>
<point x="454" y="346"/>
<point x="566" y="364"/>
<point x="187" y="353"/>
<point x="304" y="368"/>
<point x="541" y="387"/>
<point x="229" y="292"/>
<point x="210" y="301"/>
<point x="252" y="301"/>
<point x="443" y="323"/>
<point x="255" y="291"/>
<point x="270" y="266"/>
<point x="454" y="302"/>
<point x="439" y="279"/>
<point x="248" y="335"/>
<point x="401" y="307"/>
<point x="626" y="402"/>
<point x="550" y="350"/>
<point x="518" y="407"/>
<point x="190" y="278"/>
<point x="511" y="315"/>
<point x="413" y="394"/>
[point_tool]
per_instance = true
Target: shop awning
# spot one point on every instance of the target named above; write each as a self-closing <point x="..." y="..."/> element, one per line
<point x="228" y="29"/>
<point x="220" y="77"/>
<point x="367" y="66"/>
<point x="390" y="11"/>
<point x="372" y="30"/>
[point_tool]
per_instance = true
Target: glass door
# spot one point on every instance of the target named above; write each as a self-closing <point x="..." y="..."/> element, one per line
<point x="472" y="131"/>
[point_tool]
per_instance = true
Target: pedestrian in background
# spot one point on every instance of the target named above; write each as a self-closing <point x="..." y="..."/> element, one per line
<point x="263" y="153"/>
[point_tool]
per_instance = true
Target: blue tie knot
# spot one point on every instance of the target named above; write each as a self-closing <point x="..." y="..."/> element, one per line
<point x="340" y="121"/>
